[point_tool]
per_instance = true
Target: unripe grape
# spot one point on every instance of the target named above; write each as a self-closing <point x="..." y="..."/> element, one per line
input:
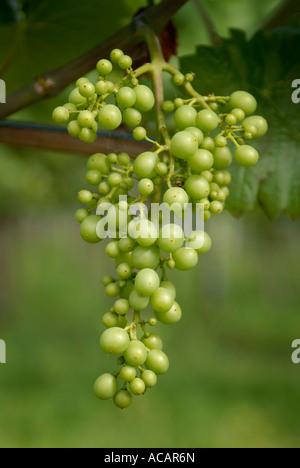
<point x="115" y="55"/>
<point x="123" y="399"/>
<point x="259" y="123"/>
<point x="231" y="120"/>
<point x="106" y="280"/>
<point x="74" y="129"/>
<point x="139" y="133"/>
<point x="114" y="179"/>
<point x="110" y="320"/>
<point x="183" y="145"/>
<point x="207" y="120"/>
<point x="86" y="119"/>
<point x="114" y="341"/>
<point x="246" y="156"/>
<point x="208" y="144"/>
<point x="200" y="241"/>
<point x="124" y="161"/>
<point x="126" y="245"/>
<point x="81" y="215"/>
<point x="87" y="136"/>
<point x="158" y="362"/>
<point x="87" y="89"/>
<point x="179" y="79"/>
<point x="132" y="117"/>
<point x="222" y="158"/>
<point x="99" y="162"/>
<point x="137" y="387"/>
<point x="239" y="114"/>
<point x="202" y="160"/>
<point x="126" y="97"/>
<point x="145" y="165"/>
<point x="152" y="342"/>
<point x="170" y="287"/>
<point x="157" y="180"/>
<point x="171" y="264"/>
<point x="135" y="354"/>
<point x="82" y="80"/>
<point x="112" y="290"/>
<point x="178" y="102"/>
<point x="197" y="187"/>
<point x="145" y="99"/>
<point x="145" y="257"/>
<point x="176" y="195"/>
<point x="104" y="67"/>
<point x="110" y="117"/>
<point x="124" y="270"/>
<point x="147" y="282"/>
<point x="76" y="98"/>
<point x="125" y="62"/>
<point x="207" y="215"/>
<point x="185" y="116"/>
<point x="197" y="133"/>
<point x="128" y="373"/>
<point x="171" y="238"/>
<point x="244" y="101"/>
<point x="106" y="386"/>
<point x="149" y="378"/>
<point x="207" y="175"/>
<point x="102" y="87"/>
<point x="121" y="307"/>
<point x="127" y="290"/>
<point x="185" y="259"/>
<point x="61" y="115"/>
<point x="93" y="177"/>
<point x="113" y="158"/>
<point x="216" y="207"/>
<point x="138" y="302"/>
<point x="162" y="169"/>
<point x="162" y="300"/>
<point x="104" y="188"/>
<point x="220" y="141"/>
<point x="171" y="317"/>
<point x="168" y="107"/>
<point x="112" y="249"/>
<point x="145" y="187"/>
<point x="88" y="229"/>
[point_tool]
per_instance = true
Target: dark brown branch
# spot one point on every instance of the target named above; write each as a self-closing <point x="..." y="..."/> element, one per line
<point x="216" y="40"/>
<point x="281" y="14"/>
<point x="33" y="136"/>
<point x="52" y="83"/>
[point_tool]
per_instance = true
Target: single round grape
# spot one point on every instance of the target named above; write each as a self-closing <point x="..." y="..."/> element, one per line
<point x="185" y="259"/>
<point x="197" y="133"/>
<point x="176" y="195"/>
<point x="207" y="120"/>
<point x="121" y="307"/>
<point x="216" y="207"/>
<point x="114" y="179"/>
<point x="132" y="117"/>
<point x="244" y="101"/>
<point x="126" y="97"/>
<point x="139" y="133"/>
<point x="246" y="156"/>
<point x="74" y="129"/>
<point x="128" y="183"/>
<point x="86" y="119"/>
<point x="105" y="387"/>
<point x="127" y="290"/>
<point x="81" y="215"/>
<point x="123" y="399"/>
<point x="128" y="373"/>
<point x="124" y="160"/>
<point x="135" y="354"/>
<point x="222" y="158"/>
<point x="87" y="89"/>
<point x="178" y="102"/>
<point x="157" y="361"/>
<point x="124" y="270"/>
<point x="104" y="188"/>
<point x="76" y="98"/>
<point x="145" y="187"/>
<point x="149" y="378"/>
<point x="145" y="257"/>
<point x="85" y="196"/>
<point x="208" y="144"/>
<point x="197" y="187"/>
<point x="93" y="177"/>
<point x="61" y="115"/>
<point x="145" y="99"/>
<point x="113" y="158"/>
<point x="147" y="282"/>
<point x="185" y="116"/>
<point x="183" y="145"/>
<point x="200" y="241"/>
<point x="82" y="80"/>
<point x="171" y="238"/>
<point x="87" y="136"/>
<point x="162" y="300"/>
<point x="231" y="120"/>
<point x="157" y="180"/>
<point x="112" y="290"/>
<point x="147" y="233"/>
<point x="125" y="62"/>
<point x="259" y="123"/>
<point x="239" y="114"/>
<point x="114" y="341"/>
<point x="138" y="302"/>
<point x="110" y="320"/>
<point x="220" y="177"/>
<point x="170" y="287"/>
<point x="112" y="249"/>
<point x="152" y="342"/>
<point x="202" y="160"/>
<point x="171" y="317"/>
<point x="110" y="117"/>
<point x="137" y="387"/>
<point x="220" y="141"/>
<point x="168" y="107"/>
<point x="179" y="79"/>
<point x="99" y="162"/>
<point x="106" y="280"/>
<point x="126" y="245"/>
<point x="88" y="230"/>
<point x="115" y="55"/>
<point x="102" y="87"/>
<point x="104" y="67"/>
<point x="162" y="169"/>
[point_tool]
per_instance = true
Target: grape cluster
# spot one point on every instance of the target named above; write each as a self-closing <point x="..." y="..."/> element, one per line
<point x="187" y="165"/>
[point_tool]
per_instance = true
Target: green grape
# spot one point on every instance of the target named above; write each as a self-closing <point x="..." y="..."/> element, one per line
<point x="110" y="320"/>
<point x="126" y="97"/>
<point x="125" y="62"/>
<point x="216" y="207"/>
<point x="88" y="229"/>
<point x="189" y="77"/>
<point x="145" y="99"/>
<point x="178" y="102"/>
<point x="104" y="67"/>
<point x="126" y="245"/>
<point x="170" y="287"/>
<point x="207" y="120"/>
<point x="124" y="160"/>
<point x="259" y="123"/>
<point x="185" y="116"/>
<point x="104" y="188"/>
<point x="138" y="302"/>
<point x="176" y="195"/>
<point x="87" y="136"/>
<point x="76" y="98"/>
<point x="82" y="80"/>
<point x="74" y="129"/>
<point x="123" y="399"/>
<point x="222" y="158"/>
<point x="121" y="307"/>
<point x="87" y="89"/>
<point x="197" y="133"/>
<point x="135" y="354"/>
<point x="110" y="117"/>
<point x="132" y="117"/>
<point x="99" y="162"/>
<point x="106" y="386"/>
<point x="124" y="271"/>
<point x="200" y="241"/>
<point x="106" y="280"/>
<point x="220" y="177"/>
<point x="244" y="101"/>
<point x="207" y="215"/>
<point x="113" y="158"/>
<point x="246" y="156"/>
<point x="101" y="87"/>
<point x="114" y="341"/>
<point x="147" y="282"/>
<point x="113" y="250"/>
<point x="168" y="107"/>
<point x="152" y="342"/>
<point x="162" y="169"/>
<point x="149" y="378"/>
<point x="145" y="165"/>
<point x="185" y="259"/>
<point x="179" y="79"/>
<point x="127" y="290"/>
<point x="61" y="115"/>
<point x="157" y="361"/>
<point x="93" y="177"/>
<point x="197" y="187"/>
<point x="183" y="145"/>
<point x="231" y="120"/>
<point x="128" y="373"/>
<point x="145" y="257"/>
<point x="202" y="160"/>
<point x="171" y="238"/>
<point x="137" y="387"/>
<point x="145" y="187"/>
<point x="162" y="300"/>
<point x="171" y="317"/>
<point x="128" y="183"/>
<point x="114" y="179"/>
<point x="139" y="133"/>
<point x="116" y="54"/>
<point x="207" y="175"/>
<point x="146" y="233"/>
<point x="214" y="106"/>
<point x="112" y="290"/>
<point x="239" y="114"/>
<point x="208" y="144"/>
<point x="220" y="141"/>
<point x="70" y="107"/>
<point x="81" y="215"/>
<point x="123" y="258"/>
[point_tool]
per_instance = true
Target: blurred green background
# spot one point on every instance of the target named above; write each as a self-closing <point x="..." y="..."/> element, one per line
<point x="231" y="382"/>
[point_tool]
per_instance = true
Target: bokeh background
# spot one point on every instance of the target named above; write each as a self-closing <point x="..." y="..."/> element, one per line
<point x="231" y="383"/>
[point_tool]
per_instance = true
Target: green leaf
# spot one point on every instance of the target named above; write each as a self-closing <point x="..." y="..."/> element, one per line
<point x="265" y="66"/>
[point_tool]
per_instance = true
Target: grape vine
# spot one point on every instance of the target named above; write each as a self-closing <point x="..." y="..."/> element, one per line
<point x="195" y="141"/>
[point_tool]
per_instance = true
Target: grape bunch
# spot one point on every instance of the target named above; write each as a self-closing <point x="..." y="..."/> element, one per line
<point x="186" y="165"/>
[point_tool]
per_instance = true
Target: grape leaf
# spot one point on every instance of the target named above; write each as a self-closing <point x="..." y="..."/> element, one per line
<point x="266" y="66"/>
